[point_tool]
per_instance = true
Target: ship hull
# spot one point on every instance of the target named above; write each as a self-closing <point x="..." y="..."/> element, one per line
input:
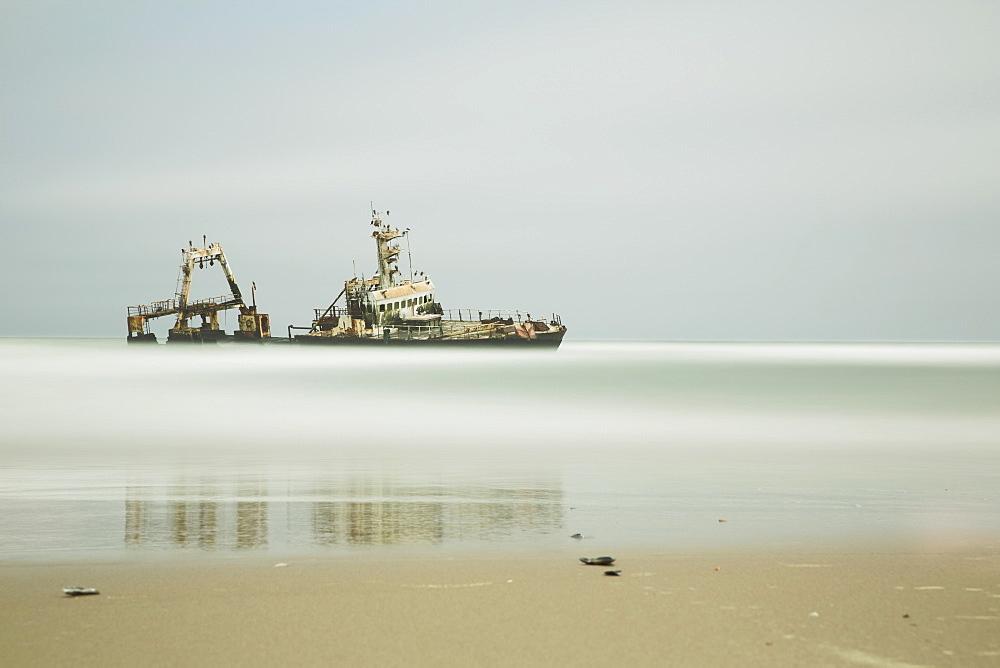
<point x="549" y="341"/>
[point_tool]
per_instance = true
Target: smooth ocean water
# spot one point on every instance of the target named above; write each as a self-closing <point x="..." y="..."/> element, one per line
<point x="111" y="452"/>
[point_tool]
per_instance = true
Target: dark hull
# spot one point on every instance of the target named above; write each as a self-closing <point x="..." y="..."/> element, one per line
<point x="144" y="339"/>
<point x="547" y="341"/>
<point x="197" y="338"/>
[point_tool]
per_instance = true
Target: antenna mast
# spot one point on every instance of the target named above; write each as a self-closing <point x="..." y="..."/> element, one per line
<point x="409" y="256"/>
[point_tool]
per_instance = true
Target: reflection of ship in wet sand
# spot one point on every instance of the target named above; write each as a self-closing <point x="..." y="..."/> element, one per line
<point x="210" y="515"/>
<point x="192" y="517"/>
<point x="384" y="515"/>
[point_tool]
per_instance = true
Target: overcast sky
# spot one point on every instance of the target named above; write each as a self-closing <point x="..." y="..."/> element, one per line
<point x="650" y="170"/>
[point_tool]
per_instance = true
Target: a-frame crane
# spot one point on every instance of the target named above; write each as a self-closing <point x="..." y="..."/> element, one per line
<point x="253" y="326"/>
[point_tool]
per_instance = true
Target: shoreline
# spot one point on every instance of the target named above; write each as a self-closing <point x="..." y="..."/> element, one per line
<point x="885" y="606"/>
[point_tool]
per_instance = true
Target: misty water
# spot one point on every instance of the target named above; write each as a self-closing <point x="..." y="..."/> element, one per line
<point x="117" y="452"/>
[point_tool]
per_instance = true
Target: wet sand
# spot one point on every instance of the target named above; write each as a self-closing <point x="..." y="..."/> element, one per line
<point x="441" y="536"/>
<point x="696" y="609"/>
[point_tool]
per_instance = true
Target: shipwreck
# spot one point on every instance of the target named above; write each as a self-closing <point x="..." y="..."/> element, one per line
<point x="385" y="309"/>
<point x="388" y="309"/>
<point x="253" y="326"/>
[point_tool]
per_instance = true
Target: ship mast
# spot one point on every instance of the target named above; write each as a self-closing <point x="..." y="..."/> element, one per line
<point x="388" y="256"/>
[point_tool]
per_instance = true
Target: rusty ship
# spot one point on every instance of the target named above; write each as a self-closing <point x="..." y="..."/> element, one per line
<point x="253" y="326"/>
<point x="385" y="309"/>
<point x="388" y="309"/>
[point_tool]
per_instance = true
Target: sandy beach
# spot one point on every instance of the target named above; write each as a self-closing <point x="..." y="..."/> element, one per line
<point x="717" y="608"/>
<point x="857" y="484"/>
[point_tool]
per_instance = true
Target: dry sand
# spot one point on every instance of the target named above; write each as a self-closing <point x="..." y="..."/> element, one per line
<point x="705" y="609"/>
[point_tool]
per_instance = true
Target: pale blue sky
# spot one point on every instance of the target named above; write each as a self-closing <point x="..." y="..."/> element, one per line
<point x="685" y="170"/>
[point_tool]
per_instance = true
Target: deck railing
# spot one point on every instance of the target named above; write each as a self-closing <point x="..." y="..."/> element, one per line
<point x="329" y="313"/>
<point x="478" y="315"/>
<point x="165" y="306"/>
<point x="220" y="301"/>
<point x="174" y="305"/>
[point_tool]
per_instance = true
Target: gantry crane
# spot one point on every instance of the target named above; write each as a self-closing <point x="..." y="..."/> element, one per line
<point x="253" y="326"/>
